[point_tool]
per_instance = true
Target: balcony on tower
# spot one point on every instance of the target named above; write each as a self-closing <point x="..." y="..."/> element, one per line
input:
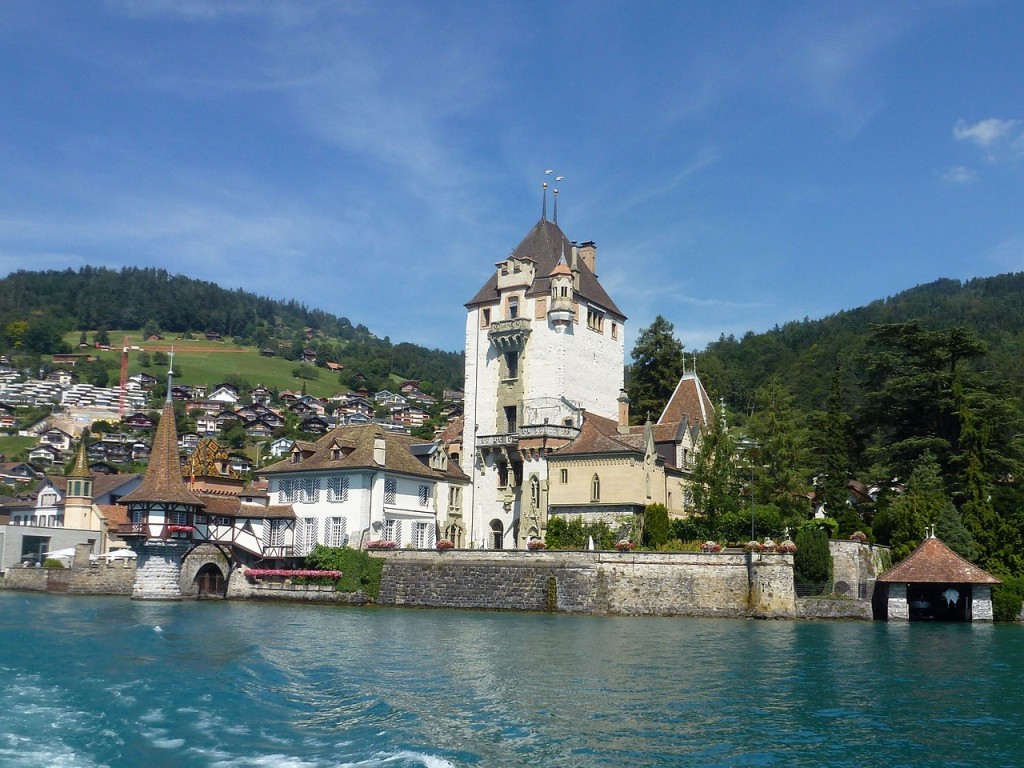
<point x="509" y="334"/>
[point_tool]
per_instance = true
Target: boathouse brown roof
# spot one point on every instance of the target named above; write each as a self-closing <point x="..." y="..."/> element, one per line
<point x="935" y="563"/>
<point x="163" y="482"/>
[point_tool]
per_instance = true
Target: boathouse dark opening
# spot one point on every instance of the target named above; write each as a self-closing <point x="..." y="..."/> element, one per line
<point x="210" y="582"/>
<point x="939" y="602"/>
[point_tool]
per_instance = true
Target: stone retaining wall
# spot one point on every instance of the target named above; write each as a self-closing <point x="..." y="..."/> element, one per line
<point x="242" y="588"/>
<point x="94" y="579"/>
<point x="833" y="608"/>
<point x="633" y="583"/>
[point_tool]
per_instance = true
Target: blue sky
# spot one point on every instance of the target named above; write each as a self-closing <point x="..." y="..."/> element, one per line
<point x="738" y="164"/>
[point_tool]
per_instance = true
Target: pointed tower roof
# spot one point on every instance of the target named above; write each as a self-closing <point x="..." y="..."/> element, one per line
<point x="544" y="245"/>
<point x="935" y="563"/>
<point x="80" y="469"/>
<point x="689" y="403"/>
<point x="163" y="481"/>
<point x="561" y="268"/>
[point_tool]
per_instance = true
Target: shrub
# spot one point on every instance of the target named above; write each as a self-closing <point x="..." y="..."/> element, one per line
<point x="1007" y="598"/>
<point x="360" y="571"/>
<point x="53" y="564"/>
<point x="812" y="561"/>
<point x="655" y="525"/>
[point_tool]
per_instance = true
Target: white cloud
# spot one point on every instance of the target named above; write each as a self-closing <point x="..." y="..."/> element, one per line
<point x="985" y="133"/>
<point x="959" y="174"/>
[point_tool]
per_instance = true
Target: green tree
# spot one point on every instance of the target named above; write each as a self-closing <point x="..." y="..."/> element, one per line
<point x="657" y="367"/>
<point x="714" y="488"/>
<point x="833" y="453"/>
<point x="779" y="456"/>
<point x="656" y="528"/>
<point x="812" y="561"/>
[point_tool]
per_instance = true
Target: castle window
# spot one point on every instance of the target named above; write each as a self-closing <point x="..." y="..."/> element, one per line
<point x="511" y="365"/>
<point x="564" y="476"/>
<point x="513" y="308"/>
<point x="502" y="468"/>
<point x="595" y="320"/>
<point x="615" y="330"/>
<point x="595" y="489"/>
<point x="510" y="419"/>
<point x="534" y="492"/>
<point x="485" y="317"/>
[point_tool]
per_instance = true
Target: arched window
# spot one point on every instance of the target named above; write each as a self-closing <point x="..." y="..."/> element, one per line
<point x="595" y="489"/>
<point x="497" y="534"/>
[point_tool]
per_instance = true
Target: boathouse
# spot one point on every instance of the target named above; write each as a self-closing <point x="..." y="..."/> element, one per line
<point x="934" y="583"/>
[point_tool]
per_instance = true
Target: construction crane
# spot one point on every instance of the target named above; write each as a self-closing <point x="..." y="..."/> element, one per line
<point x="124" y="379"/>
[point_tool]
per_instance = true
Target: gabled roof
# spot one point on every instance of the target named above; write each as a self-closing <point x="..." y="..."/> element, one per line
<point x="600" y="435"/>
<point x="935" y="563"/>
<point x="545" y="244"/>
<point x="689" y="403"/>
<point x="163" y="481"/>
<point x="398" y="456"/>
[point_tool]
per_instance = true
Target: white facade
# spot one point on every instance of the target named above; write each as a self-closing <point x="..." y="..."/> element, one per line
<point x="356" y="507"/>
<point x="543" y="343"/>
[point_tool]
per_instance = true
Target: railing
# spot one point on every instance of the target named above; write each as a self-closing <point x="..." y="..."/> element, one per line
<point x="133" y="529"/>
<point x="548" y="430"/>
<point x="497" y="441"/>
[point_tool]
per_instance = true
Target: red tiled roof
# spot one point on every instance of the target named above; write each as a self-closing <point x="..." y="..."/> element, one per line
<point x="689" y="403"/>
<point x="935" y="563"/>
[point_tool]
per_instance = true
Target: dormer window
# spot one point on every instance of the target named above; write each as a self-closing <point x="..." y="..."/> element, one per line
<point x="296" y="456"/>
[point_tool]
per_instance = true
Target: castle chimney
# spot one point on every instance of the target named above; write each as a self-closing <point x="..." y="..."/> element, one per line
<point x="623" y="412"/>
<point x="588" y="255"/>
<point x="379" y="450"/>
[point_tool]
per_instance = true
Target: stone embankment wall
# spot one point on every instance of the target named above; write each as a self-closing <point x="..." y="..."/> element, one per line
<point x="828" y="607"/>
<point x="636" y="583"/>
<point x="242" y="588"/>
<point x="84" y="577"/>
<point x="855" y="567"/>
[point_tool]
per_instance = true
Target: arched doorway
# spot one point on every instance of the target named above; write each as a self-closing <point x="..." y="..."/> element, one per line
<point x="497" y="534"/>
<point x="210" y="582"/>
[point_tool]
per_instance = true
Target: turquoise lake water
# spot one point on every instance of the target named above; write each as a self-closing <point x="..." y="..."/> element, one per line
<point x="110" y="682"/>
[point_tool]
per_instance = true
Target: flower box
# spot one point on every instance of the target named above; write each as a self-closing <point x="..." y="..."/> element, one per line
<point x="536" y="544"/>
<point x="710" y="546"/>
<point x="180" y="528"/>
<point x="265" y="573"/>
<point x="754" y="546"/>
<point x="381" y="544"/>
<point x="443" y="544"/>
<point x="625" y="546"/>
<point x="787" y="547"/>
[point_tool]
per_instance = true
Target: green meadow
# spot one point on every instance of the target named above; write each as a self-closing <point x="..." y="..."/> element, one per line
<point x="207" y="363"/>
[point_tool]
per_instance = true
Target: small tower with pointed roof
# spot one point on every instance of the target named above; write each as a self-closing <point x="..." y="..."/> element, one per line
<point x="78" y="499"/>
<point x="163" y="513"/>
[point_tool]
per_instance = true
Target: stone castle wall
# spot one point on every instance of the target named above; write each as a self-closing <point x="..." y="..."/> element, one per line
<point x="657" y="583"/>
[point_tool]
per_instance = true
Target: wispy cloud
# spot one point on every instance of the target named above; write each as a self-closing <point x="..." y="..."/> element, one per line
<point x="959" y="174"/>
<point x="986" y="132"/>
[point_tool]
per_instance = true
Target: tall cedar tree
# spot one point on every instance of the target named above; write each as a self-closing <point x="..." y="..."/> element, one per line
<point x="656" y="527"/>
<point x="780" y="459"/>
<point x="657" y="367"/>
<point x="812" y="562"/>
<point x="714" y="486"/>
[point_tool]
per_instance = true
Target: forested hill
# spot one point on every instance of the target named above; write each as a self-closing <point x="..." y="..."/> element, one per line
<point x="38" y="308"/>
<point x="804" y="353"/>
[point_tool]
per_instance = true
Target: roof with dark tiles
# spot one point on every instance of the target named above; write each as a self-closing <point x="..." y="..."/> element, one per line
<point x="545" y="244"/>
<point x="935" y="563"/>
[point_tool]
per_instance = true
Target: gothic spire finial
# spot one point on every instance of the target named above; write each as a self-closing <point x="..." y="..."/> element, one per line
<point x="170" y="372"/>
<point x="544" y="205"/>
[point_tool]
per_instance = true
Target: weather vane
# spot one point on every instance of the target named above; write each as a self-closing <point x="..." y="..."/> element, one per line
<point x="544" y="207"/>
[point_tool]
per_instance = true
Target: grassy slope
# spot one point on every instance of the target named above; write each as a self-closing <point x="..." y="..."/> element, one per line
<point x="208" y="363"/>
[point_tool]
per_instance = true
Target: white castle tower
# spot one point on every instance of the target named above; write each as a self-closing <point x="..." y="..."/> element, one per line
<point x="544" y="342"/>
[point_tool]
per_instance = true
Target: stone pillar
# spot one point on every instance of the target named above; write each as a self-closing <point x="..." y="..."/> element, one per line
<point x="158" y="569"/>
<point x="771" y="591"/>
<point x="898" y="608"/>
<point x="981" y="603"/>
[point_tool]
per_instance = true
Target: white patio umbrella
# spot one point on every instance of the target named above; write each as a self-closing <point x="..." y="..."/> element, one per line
<point x="120" y="554"/>
<point x="590" y="543"/>
<point x="60" y="554"/>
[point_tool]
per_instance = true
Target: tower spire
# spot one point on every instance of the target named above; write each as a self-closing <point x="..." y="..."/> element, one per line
<point x="544" y="205"/>
<point x="170" y="372"/>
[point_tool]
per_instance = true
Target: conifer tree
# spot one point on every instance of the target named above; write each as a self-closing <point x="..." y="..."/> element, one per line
<point x="714" y="488"/>
<point x="656" y="369"/>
